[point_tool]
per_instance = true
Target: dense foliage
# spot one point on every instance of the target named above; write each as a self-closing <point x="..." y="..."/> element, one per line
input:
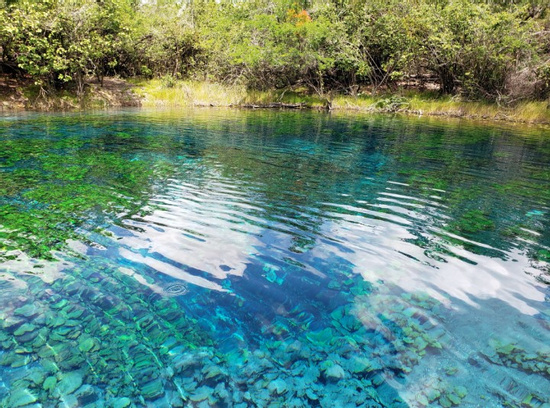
<point x="496" y="51"/>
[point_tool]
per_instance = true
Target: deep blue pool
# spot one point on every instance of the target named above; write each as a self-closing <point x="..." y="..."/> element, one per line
<point x="225" y="258"/>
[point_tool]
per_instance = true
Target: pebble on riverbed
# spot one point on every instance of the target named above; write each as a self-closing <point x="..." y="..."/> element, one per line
<point x="157" y="356"/>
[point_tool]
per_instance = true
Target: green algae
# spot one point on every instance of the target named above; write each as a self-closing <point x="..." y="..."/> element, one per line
<point x="121" y="339"/>
<point x="49" y="184"/>
<point x="473" y="221"/>
<point x="43" y="206"/>
<point x="514" y="355"/>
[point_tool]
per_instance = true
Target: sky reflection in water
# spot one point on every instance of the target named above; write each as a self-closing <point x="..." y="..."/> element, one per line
<point x="247" y="258"/>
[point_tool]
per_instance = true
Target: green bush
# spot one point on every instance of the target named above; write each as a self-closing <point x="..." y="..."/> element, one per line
<point x="482" y="50"/>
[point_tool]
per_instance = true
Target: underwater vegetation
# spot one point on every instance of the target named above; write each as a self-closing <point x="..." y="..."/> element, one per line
<point x="96" y="336"/>
<point x="238" y="259"/>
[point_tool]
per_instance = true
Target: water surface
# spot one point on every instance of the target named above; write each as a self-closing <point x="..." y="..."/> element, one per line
<point x="233" y="259"/>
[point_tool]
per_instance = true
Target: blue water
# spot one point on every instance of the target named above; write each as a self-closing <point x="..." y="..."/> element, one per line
<point x="233" y="258"/>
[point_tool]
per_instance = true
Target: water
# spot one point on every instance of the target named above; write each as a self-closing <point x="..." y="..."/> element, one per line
<point x="230" y="258"/>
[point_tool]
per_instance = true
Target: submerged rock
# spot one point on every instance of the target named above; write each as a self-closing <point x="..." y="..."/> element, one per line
<point x="311" y="395"/>
<point x="86" y="344"/>
<point x="278" y="386"/>
<point x="70" y="401"/>
<point x="152" y="390"/>
<point x="37" y="376"/>
<point x="212" y="371"/>
<point x="24" y="328"/>
<point x="420" y="343"/>
<point x="422" y="400"/>
<point x="432" y="394"/>
<point x="49" y="383"/>
<point x="68" y="384"/>
<point x="455" y="399"/>
<point x="49" y="365"/>
<point x="311" y="374"/>
<point x="20" y="361"/>
<point x="122" y="402"/>
<point x="11" y="322"/>
<point x="335" y="372"/>
<point x="445" y="402"/>
<point x="86" y="394"/>
<point x="20" y="398"/>
<point x="202" y="394"/>
<point x="461" y="391"/>
<point x="360" y="365"/>
<point x="321" y="338"/>
<point x="28" y="310"/>
<point x="221" y="391"/>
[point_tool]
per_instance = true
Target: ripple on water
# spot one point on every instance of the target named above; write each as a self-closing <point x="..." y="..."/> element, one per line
<point x="176" y="289"/>
<point x="272" y="259"/>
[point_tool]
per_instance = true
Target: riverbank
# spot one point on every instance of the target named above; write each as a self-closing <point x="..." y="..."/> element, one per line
<point x="155" y="93"/>
<point x="21" y="95"/>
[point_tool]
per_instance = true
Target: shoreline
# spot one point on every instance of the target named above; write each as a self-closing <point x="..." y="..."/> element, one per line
<point x="116" y="93"/>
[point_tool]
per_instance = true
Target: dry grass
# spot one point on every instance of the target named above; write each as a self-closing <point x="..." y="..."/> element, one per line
<point x="159" y="92"/>
<point x="168" y="93"/>
<point x="171" y="93"/>
<point x="534" y="112"/>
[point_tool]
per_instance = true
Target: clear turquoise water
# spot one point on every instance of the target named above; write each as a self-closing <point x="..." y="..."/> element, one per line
<point x="282" y="259"/>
